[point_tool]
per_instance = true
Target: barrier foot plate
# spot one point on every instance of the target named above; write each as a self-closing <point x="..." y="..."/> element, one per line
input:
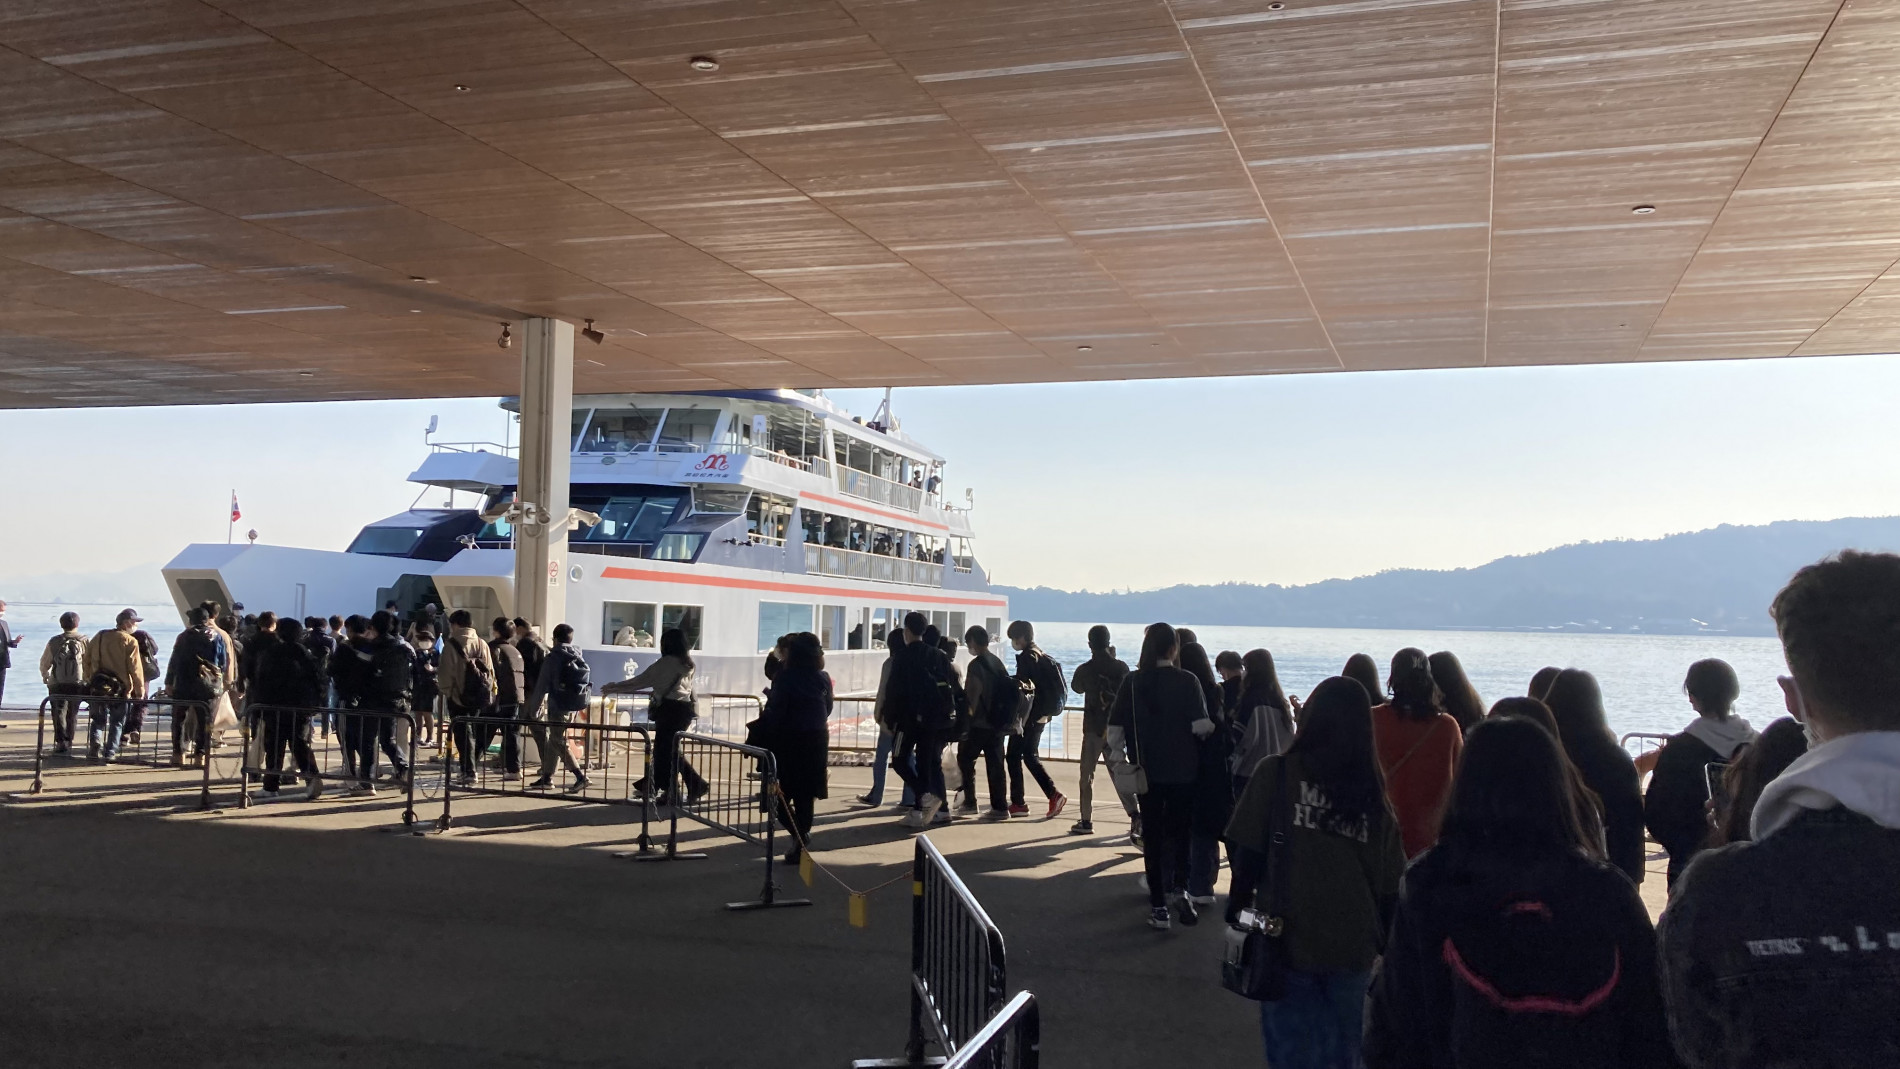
<point x="665" y="857"/>
<point x="893" y="1063"/>
<point x="760" y="903"/>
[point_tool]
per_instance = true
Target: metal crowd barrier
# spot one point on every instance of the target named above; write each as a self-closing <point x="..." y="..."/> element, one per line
<point x="738" y="797"/>
<point x="1659" y="739"/>
<point x="1011" y="1040"/>
<point x="160" y="740"/>
<point x="329" y="751"/>
<point x="854" y="730"/>
<point x="625" y="781"/>
<point x="957" y="964"/>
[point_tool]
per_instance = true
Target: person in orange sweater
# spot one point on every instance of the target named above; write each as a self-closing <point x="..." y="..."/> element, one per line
<point x="1418" y="749"/>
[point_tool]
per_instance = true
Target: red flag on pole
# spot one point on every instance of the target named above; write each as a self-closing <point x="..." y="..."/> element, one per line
<point x="236" y="515"/>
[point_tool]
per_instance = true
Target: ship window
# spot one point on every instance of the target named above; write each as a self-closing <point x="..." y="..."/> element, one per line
<point x="621" y="430"/>
<point x="624" y="623"/>
<point x="880" y="627"/>
<point x="994" y="625"/>
<point x="678" y="546"/>
<point x="831" y="626"/>
<point x="688" y="429"/>
<point x="956" y="626"/>
<point x="386" y="541"/>
<point x="685" y="617"/>
<point x="720" y="500"/>
<point x="778" y="618"/>
<point x="630" y="519"/>
<point x="855" y="639"/>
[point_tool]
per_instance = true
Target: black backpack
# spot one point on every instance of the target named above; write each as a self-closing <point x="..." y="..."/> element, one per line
<point x="1051" y="692"/>
<point x="478" y="679"/>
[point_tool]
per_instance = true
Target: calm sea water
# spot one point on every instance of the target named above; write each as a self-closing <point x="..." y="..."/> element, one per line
<point x="1641" y="675"/>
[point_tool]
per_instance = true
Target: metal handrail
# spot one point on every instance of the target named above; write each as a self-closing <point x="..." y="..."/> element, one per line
<point x="1011" y="1040"/>
<point x="738" y="780"/>
<point x="255" y="714"/>
<point x="638" y="789"/>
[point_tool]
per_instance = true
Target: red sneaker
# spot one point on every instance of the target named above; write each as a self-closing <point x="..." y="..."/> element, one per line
<point x="1056" y="804"/>
<point x="1019" y="810"/>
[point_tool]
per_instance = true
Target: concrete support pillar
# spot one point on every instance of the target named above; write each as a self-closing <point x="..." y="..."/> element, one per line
<point x="547" y="407"/>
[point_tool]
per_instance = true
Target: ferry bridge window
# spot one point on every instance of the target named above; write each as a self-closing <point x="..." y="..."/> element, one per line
<point x="387" y="541"/>
<point x="678" y="546"/>
<point x="768" y="517"/>
<point x="630" y="519"/>
<point x="624" y="623"/>
<point x="621" y="430"/>
<point x="831" y="626"/>
<point x="720" y="500"/>
<point x="685" y="617"/>
<point x="778" y="618"/>
<point x="688" y="429"/>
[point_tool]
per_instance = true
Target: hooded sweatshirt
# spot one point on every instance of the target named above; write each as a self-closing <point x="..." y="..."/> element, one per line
<point x="1724" y="736"/>
<point x="1859" y="772"/>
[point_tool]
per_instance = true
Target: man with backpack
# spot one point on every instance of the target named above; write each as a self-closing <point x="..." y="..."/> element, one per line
<point x="564" y="684"/>
<point x="992" y="697"/>
<point x="1097" y="680"/>
<point x="920" y="705"/>
<point x="511" y="691"/>
<point x="197" y="672"/>
<point x="349" y="680"/>
<point x="386" y="686"/>
<point x="63" y="670"/>
<point x="466" y="676"/>
<point x="1037" y="671"/>
<point x="115" y="672"/>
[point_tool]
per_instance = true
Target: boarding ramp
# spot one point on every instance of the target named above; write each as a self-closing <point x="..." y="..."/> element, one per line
<point x="958" y="972"/>
<point x="739" y="797"/>
<point x="331" y="735"/>
<point x="160" y="733"/>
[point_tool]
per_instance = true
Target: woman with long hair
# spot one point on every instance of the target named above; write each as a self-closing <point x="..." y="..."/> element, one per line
<point x="1418" y="748"/>
<point x="1159" y="717"/>
<point x="671" y="710"/>
<point x="793" y="726"/>
<point x="1511" y="945"/>
<point x="1779" y="745"/>
<point x="1540" y="681"/>
<point x="1322" y="806"/>
<point x="1362" y="669"/>
<point x="1675" y="804"/>
<point x="1576" y="703"/>
<point x="1213" y="785"/>
<point x="1589" y="806"/>
<point x="1261" y="720"/>
<point x="1461" y="698"/>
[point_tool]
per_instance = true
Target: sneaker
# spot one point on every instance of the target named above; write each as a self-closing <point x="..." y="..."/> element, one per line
<point x="269" y="794"/>
<point x="993" y="816"/>
<point x="313" y="790"/>
<point x="539" y="785"/>
<point x="369" y="790"/>
<point x="1201" y="900"/>
<point x="1019" y="810"/>
<point x="694" y="794"/>
<point x="913" y="819"/>
<point x="465" y="781"/>
<point x="968" y="805"/>
<point x="511" y="777"/>
<point x="1184" y="909"/>
<point x="132" y="740"/>
<point x="1055" y="806"/>
<point x="865" y="799"/>
<point x="944" y="816"/>
<point x="1159" y="920"/>
<point x="576" y="787"/>
<point x="1082" y="827"/>
<point x="931" y="804"/>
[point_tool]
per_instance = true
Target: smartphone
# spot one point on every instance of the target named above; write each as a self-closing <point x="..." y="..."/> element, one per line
<point x="1714" y="785"/>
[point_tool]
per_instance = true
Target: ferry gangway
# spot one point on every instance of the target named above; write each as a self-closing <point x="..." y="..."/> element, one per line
<point x="336" y="756"/>
<point x="957" y="970"/>
<point x="153" y="733"/>
<point x="1011" y="1040"/>
<point x="738" y="794"/>
<point x="617" y="758"/>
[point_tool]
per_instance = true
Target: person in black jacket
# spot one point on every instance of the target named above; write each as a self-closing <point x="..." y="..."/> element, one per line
<point x="1214" y="786"/>
<point x="533" y="652"/>
<point x="1576" y="702"/>
<point x="564" y="684"/>
<point x="1042" y="674"/>
<point x="794" y="728"/>
<point x="1675" y="805"/>
<point x="286" y="688"/>
<point x="391" y="664"/>
<point x="1158" y="720"/>
<point x="991" y="696"/>
<point x="1785" y="951"/>
<point x="921" y="706"/>
<point x="1512" y="947"/>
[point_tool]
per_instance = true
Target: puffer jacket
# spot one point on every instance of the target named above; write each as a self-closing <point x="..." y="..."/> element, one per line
<point x="287" y="674"/>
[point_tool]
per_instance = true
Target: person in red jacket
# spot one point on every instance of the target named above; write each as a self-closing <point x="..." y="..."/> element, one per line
<point x="1418" y="749"/>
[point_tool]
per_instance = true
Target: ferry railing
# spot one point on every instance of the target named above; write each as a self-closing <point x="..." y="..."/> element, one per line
<point x="958" y="965"/>
<point x="863" y="484"/>
<point x="340" y="756"/>
<point x="618" y="760"/>
<point x="157" y="741"/>
<point x="852" y="725"/>
<point x="857" y="564"/>
<point x="738" y="795"/>
<point x="1011" y="1040"/>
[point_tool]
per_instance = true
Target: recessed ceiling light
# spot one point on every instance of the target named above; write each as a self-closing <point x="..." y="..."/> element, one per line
<point x="703" y="63"/>
<point x="415" y="309"/>
<point x="461" y="88"/>
<point x="421" y="279"/>
<point x="1275" y="7"/>
<point x="1643" y="209"/>
<point x="1085" y="348"/>
<point x="305" y="374"/>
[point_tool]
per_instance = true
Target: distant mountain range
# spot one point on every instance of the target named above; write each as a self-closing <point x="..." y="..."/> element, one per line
<point x="1720" y="579"/>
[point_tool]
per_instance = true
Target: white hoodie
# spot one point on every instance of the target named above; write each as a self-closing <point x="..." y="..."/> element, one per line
<point x="1724" y="736"/>
<point x="1860" y="772"/>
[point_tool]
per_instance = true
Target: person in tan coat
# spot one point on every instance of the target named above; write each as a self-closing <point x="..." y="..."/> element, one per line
<point x="466" y="677"/>
<point x="115" y="671"/>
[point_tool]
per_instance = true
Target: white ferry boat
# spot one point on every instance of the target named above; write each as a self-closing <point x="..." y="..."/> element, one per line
<point x="736" y="517"/>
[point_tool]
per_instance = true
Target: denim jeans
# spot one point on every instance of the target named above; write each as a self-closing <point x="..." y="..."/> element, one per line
<point x="108" y="723"/>
<point x="1318" y="1024"/>
<point x="882" y="764"/>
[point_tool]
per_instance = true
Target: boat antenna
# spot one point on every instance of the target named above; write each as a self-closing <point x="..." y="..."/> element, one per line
<point x="882" y="420"/>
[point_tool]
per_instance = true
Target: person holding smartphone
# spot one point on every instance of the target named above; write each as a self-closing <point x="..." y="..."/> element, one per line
<point x="1675" y="806"/>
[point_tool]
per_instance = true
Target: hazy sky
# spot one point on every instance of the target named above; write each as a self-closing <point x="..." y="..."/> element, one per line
<point x="1105" y="486"/>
